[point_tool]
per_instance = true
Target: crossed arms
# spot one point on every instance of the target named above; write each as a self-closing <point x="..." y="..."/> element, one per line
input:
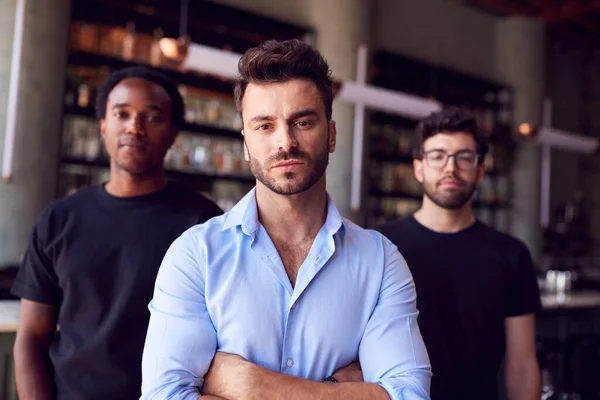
<point x="182" y="342"/>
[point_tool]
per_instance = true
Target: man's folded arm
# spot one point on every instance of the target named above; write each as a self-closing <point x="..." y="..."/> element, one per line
<point x="392" y="352"/>
<point x="231" y="377"/>
<point x="181" y="339"/>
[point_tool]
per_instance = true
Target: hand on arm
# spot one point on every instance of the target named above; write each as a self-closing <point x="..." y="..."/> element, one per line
<point x="350" y="373"/>
<point x="37" y="327"/>
<point x="522" y="370"/>
<point x="233" y="378"/>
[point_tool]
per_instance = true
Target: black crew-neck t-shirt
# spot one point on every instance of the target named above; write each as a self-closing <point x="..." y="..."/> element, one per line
<point x="95" y="257"/>
<point x="467" y="283"/>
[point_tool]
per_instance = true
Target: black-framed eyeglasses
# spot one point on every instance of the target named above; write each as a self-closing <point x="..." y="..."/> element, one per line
<point x="463" y="159"/>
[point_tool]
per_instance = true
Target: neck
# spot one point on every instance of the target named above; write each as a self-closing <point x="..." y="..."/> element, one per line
<point x="294" y="217"/>
<point x="444" y="220"/>
<point x="124" y="184"/>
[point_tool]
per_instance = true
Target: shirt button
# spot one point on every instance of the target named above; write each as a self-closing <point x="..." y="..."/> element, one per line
<point x="290" y="363"/>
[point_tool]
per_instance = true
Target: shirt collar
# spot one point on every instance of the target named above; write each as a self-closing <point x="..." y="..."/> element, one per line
<point x="245" y="213"/>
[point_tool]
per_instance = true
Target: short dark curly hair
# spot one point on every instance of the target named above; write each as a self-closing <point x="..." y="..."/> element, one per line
<point x="280" y="61"/>
<point x="148" y="74"/>
<point x="451" y="120"/>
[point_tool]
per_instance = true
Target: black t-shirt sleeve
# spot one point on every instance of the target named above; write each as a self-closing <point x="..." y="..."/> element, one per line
<point x="209" y="211"/>
<point x="388" y="231"/>
<point x="524" y="293"/>
<point x="36" y="279"/>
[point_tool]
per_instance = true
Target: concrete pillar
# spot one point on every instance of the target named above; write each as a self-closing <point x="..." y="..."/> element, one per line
<point x="35" y="165"/>
<point x="340" y="26"/>
<point x="520" y="59"/>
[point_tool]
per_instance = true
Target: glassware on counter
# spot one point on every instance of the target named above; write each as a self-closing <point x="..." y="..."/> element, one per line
<point x="399" y="178"/>
<point x="227" y="194"/>
<point x="211" y="155"/>
<point x="237" y="123"/>
<point x="81" y="139"/>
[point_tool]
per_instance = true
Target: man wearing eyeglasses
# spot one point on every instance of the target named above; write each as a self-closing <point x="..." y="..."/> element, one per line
<point x="476" y="288"/>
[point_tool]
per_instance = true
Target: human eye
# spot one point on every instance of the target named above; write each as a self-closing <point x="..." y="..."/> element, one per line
<point x="466" y="156"/>
<point x="121" y="114"/>
<point x="153" y="118"/>
<point x="304" y="124"/>
<point x="263" y="127"/>
<point x="436" y="155"/>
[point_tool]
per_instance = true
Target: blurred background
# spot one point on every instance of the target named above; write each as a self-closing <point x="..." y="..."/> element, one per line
<point x="502" y="59"/>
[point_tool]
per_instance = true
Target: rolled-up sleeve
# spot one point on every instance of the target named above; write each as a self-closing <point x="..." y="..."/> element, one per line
<point x="181" y="340"/>
<point x="392" y="352"/>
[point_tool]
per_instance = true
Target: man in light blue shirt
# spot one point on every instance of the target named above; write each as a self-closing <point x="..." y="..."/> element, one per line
<point x="268" y="300"/>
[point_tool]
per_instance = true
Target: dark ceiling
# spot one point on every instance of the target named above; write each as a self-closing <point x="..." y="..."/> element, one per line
<point x="576" y="22"/>
<point x="204" y="21"/>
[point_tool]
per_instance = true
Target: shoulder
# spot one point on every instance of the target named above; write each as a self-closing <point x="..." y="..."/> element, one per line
<point x="501" y="241"/>
<point x="367" y="239"/>
<point x="404" y="233"/>
<point x="80" y="198"/>
<point x="193" y="201"/>
<point x="396" y="226"/>
<point x="380" y="254"/>
<point x="210" y="232"/>
<point x="62" y="212"/>
<point x="512" y="252"/>
<point x="69" y="204"/>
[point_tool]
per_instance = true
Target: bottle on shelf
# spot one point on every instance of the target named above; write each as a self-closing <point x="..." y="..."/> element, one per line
<point x="156" y="57"/>
<point x="83" y="95"/>
<point x="213" y="112"/>
<point x="84" y="37"/>
<point x="129" y="42"/>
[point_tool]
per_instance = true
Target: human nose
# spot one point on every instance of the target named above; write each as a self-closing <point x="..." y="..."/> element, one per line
<point x="286" y="138"/>
<point x="134" y="125"/>
<point x="450" y="165"/>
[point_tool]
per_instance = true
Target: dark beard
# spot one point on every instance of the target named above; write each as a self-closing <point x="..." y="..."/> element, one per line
<point x="293" y="184"/>
<point x="453" y="201"/>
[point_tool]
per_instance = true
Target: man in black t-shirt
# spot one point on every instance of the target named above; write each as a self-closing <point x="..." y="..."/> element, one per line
<point x="476" y="287"/>
<point x="89" y="270"/>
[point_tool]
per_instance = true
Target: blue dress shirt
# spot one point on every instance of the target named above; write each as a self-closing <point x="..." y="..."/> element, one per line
<point x="222" y="287"/>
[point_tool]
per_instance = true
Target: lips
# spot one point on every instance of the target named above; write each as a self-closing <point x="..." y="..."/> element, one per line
<point x="451" y="183"/>
<point x="138" y="146"/>
<point x="289" y="163"/>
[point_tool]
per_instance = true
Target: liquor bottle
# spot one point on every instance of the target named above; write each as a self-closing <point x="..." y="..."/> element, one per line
<point x="129" y="42"/>
<point x="156" y="57"/>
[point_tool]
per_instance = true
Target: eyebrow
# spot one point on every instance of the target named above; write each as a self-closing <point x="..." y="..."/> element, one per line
<point x="298" y="114"/>
<point x="259" y="118"/>
<point x="446" y="151"/>
<point x="150" y="106"/>
<point x="303" y="113"/>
